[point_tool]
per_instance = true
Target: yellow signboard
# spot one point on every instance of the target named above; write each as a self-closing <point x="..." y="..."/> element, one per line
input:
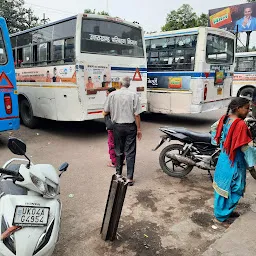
<point x="175" y="82"/>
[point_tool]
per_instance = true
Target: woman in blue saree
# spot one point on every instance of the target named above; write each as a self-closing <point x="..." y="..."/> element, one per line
<point x="233" y="136"/>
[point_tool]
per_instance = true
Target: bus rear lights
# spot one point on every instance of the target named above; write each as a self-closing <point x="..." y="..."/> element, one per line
<point x="91" y="92"/>
<point x="207" y="74"/>
<point x="140" y="89"/>
<point x="8" y="104"/>
<point x="205" y="91"/>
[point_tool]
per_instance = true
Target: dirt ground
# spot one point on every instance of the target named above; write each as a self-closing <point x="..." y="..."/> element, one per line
<point x="161" y="215"/>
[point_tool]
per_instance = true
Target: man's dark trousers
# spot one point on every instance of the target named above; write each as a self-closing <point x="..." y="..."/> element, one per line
<point x="125" y="147"/>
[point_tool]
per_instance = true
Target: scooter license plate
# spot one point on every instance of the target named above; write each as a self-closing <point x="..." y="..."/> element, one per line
<point x="30" y="216"/>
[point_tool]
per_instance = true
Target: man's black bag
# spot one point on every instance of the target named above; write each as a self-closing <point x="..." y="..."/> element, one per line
<point x="108" y="122"/>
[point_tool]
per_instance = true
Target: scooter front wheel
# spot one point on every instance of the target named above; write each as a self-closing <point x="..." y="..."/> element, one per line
<point x="171" y="167"/>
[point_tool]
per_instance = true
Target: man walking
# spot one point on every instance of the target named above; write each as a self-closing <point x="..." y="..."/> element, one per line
<point x="125" y="108"/>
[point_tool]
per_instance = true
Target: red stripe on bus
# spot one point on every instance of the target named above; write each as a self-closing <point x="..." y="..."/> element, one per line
<point x="95" y="112"/>
<point x="216" y="100"/>
<point x="9" y="117"/>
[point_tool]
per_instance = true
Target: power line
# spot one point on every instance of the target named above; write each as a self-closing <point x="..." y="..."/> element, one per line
<point x="48" y="8"/>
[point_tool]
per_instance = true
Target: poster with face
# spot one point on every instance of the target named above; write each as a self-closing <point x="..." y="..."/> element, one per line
<point x="237" y="18"/>
<point x="57" y="74"/>
<point x="97" y="77"/>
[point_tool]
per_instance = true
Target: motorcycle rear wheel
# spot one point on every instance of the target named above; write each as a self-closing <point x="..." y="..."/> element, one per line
<point x="175" y="169"/>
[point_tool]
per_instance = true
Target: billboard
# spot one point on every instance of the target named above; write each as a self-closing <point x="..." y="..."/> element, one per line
<point x="241" y="17"/>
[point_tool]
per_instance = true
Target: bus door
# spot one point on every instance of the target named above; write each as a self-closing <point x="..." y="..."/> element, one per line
<point x="9" y="113"/>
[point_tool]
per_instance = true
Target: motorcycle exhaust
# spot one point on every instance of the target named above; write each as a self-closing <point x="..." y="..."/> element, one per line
<point x="188" y="161"/>
<point x="181" y="159"/>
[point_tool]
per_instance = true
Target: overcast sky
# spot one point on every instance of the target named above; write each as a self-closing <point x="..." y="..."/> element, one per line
<point x="151" y="14"/>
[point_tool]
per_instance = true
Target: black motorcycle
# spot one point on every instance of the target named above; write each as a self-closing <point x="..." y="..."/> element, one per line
<point x="195" y="150"/>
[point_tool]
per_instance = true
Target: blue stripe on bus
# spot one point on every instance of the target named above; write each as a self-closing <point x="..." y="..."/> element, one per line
<point x="192" y="74"/>
<point x="128" y="69"/>
<point x="173" y="34"/>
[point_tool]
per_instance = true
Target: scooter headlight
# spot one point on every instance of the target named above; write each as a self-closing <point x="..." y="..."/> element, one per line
<point x="48" y="188"/>
<point x="38" y="183"/>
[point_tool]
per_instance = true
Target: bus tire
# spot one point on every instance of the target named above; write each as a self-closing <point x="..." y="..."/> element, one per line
<point x="246" y="92"/>
<point x="26" y="114"/>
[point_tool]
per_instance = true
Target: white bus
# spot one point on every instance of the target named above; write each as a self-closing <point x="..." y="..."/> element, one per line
<point x="190" y="70"/>
<point x="245" y="74"/>
<point x="64" y="68"/>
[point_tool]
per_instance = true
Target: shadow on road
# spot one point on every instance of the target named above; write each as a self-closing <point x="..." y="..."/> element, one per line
<point x="178" y="120"/>
<point x="73" y="129"/>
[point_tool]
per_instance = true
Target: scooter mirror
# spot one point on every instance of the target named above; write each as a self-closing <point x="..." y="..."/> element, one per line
<point x="17" y="147"/>
<point x="63" y="167"/>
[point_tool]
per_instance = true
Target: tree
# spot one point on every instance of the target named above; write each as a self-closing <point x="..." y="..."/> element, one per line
<point x="17" y="16"/>
<point x="251" y="1"/>
<point x="202" y="20"/>
<point x="184" y="17"/>
<point x="90" y="11"/>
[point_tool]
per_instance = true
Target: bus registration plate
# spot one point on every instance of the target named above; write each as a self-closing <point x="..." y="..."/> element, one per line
<point x="30" y="216"/>
<point x="219" y="91"/>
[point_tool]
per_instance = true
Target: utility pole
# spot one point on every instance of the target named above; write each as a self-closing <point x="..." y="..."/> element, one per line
<point x="44" y="20"/>
<point x="29" y="19"/>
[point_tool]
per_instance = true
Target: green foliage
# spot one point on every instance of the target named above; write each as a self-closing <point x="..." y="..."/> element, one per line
<point x="90" y="11"/>
<point x="184" y="17"/>
<point x="17" y="16"/>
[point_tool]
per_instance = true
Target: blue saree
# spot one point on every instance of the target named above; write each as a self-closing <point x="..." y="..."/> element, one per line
<point x="230" y="179"/>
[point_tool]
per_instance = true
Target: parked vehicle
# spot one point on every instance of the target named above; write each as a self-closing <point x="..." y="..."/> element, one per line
<point x="195" y="150"/>
<point x="30" y="208"/>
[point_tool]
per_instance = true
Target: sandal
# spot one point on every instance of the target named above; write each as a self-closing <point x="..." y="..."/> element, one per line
<point x="111" y="165"/>
<point x="130" y="182"/>
<point x="234" y="215"/>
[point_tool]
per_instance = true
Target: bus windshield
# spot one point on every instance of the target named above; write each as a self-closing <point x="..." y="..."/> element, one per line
<point x="111" y="38"/>
<point x="219" y="49"/>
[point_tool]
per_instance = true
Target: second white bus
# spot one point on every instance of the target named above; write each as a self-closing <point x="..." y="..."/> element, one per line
<point x="245" y="74"/>
<point x="190" y="70"/>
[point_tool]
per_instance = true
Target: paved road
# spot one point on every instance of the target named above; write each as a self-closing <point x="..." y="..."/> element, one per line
<point x="161" y="215"/>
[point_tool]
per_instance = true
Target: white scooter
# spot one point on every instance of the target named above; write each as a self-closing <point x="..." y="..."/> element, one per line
<point x="30" y="208"/>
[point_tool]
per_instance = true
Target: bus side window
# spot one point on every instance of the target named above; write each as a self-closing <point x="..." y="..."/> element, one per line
<point x="49" y="56"/>
<point x="14" y="56"/>
<point x="26" y="56"/>
<point x="58" y="51"/>
<point x="69" y="52"/>
<point x="19" y="57"/>
<point x="42" y="53"/>
<point x="3" y="56"/>
<point x="35" y="55"/>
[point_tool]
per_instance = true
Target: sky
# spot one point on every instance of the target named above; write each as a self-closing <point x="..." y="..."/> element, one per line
<point x="150" y="14"/>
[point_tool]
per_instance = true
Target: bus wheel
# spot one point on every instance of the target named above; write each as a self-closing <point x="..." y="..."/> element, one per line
<point x="26" y="114"/>
<point x="246" y="92"/>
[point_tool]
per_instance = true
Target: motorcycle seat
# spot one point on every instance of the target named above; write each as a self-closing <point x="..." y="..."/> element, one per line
<point x="8" y="187"/>
<point x="195" y="136"/>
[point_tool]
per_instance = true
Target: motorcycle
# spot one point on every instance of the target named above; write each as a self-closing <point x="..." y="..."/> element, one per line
<point x="30" y="208"/>
<point x="196" y="150"/>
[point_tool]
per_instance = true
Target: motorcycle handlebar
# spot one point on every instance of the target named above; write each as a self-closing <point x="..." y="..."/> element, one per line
<point x="9" y="172"/>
